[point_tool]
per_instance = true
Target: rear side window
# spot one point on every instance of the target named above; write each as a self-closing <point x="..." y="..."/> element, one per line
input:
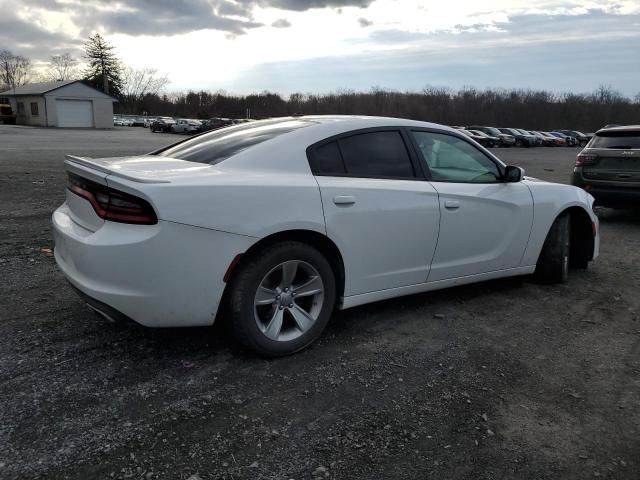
<point x="328" y="160"/>
<point x="218" y="145"/>
<point x="620" y="140"/>
<point x="376" y="154"/>
<point x="379" y="154"/>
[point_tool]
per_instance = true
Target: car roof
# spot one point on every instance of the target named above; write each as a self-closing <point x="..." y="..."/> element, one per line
<point x="621" y="128"/>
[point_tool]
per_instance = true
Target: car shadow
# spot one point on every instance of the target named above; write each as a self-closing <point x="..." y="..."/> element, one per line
<point x="618" y="216"/>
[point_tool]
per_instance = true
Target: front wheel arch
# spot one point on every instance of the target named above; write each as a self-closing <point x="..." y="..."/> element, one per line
<point x="582" y="237"/>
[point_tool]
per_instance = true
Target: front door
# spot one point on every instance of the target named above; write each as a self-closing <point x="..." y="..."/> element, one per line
<point x="485" y="222"/>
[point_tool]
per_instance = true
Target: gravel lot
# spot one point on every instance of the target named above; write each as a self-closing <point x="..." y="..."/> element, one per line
<point x="505" y="379"/>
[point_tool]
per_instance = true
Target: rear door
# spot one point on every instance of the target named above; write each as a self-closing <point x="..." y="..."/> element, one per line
<point x="382" y="216"/>
<point x="485" y="223"/>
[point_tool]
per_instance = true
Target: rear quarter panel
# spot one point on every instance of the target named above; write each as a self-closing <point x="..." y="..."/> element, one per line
<point x="251" y="203"/>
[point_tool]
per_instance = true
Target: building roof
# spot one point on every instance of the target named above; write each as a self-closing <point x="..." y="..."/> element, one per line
<point x="37" y="88"/>
<point x="46" y="87"/>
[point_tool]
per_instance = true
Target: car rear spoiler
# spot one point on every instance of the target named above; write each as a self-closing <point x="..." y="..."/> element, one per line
<point x="103" y="167"/>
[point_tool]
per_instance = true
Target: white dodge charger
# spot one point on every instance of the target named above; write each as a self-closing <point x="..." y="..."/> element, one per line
<point x="277" y="223"/>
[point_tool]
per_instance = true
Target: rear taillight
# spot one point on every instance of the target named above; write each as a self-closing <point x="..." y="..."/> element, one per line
<point x="111" y="204"/>
<point x="585" y="159"/>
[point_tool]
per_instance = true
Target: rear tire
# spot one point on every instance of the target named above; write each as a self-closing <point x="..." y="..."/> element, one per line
<point x="553" y="263"/>
<point x="302" y="318"/>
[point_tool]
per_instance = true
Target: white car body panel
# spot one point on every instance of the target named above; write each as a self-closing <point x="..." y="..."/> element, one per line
<point x="387" y="236"/>
<point x="163" y="275"/>
<point x="397" y="238"/>
<point x="550" y="199"/>
<point x="483" y="228"/>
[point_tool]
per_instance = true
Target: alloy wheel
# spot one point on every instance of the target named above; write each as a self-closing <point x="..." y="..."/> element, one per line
<point x="289" y="300"/>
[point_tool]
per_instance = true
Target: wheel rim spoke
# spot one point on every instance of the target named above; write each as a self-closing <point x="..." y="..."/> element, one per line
<point x="289" y="270"/>
<point x="312" y="287"/>
<point x="265" y="296"/>
<point x="301" y="317"/>
<point x="275" y="325"/>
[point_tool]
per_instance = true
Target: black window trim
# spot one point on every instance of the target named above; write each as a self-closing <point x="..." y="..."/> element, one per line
<point x="423" y="164"/>
<point x="418" y="172"/>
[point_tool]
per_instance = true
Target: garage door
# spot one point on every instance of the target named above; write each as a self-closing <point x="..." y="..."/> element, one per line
<point x="75" y="113"/>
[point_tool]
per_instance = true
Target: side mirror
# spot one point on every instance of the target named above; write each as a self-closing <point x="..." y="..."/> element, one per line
<point x="513" y="174"/>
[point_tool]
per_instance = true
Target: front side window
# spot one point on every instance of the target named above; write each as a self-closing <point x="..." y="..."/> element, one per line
<point x="34" y="108"/>
<point x="451" y="159"/>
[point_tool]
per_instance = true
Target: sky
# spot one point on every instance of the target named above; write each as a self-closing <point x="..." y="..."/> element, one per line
<point x="319" y="46"/>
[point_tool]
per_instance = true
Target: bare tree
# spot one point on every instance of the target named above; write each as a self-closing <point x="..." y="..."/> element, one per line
<point x="138" y="83"/>
<point x="15" y="70"/>
<point x="63" y="67"/>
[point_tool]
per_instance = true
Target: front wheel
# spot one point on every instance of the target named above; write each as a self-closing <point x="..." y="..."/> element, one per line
<point x="282" y="298"/>
<point x="553" y="263"/>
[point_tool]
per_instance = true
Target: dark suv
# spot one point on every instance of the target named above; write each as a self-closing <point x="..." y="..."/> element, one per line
<point x="609" y="167"/>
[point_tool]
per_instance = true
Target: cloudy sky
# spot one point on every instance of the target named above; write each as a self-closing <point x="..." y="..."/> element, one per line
<point x="325" y="45"/>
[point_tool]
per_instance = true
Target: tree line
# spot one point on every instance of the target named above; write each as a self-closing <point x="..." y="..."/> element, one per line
<point x="531" y="109"/>
<point x="140" y="91"/>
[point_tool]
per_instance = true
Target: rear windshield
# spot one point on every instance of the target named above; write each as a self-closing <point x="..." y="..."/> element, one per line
<point x="621" y="140"/>
<point x="218" y="145"/>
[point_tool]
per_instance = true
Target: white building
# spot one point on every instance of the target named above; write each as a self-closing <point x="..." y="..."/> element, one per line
<point x="68" y="103"/>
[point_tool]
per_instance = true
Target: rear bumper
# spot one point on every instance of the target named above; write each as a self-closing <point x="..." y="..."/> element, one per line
<point x="609" y="195"/>
<point x="163" y="275"/>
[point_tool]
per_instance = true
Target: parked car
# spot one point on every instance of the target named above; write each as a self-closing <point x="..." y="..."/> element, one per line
<point x="214" y="124"/>
<point x="477" y="136"/>
<point x="522" y="140"/>
<point x="547" y="140"/>
<point x="579" y="136"/>
<point x="185" y="125"/>
<point x="162" y="124"/>
<point x="558" y="141"/>
<point x="538" y="141"/>
<point x="489" y="140"/>
<point x="570" y="141"/>
<point x="279" y="222"/>
<point x="148" y="121"/>
<point x="609" y="167"/>
<point x="6" y="114"/>
<point x="122" y="122"/>
<point x="506" y="140"/>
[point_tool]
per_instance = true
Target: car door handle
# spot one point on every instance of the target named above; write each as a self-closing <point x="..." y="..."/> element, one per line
<point x="344" y="200"/>
<point x="451" y="204"/>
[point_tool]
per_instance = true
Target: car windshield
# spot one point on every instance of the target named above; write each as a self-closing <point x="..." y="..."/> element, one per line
<point x="494" y="131"/>
<point x="215" y="146"/>
<point x="629" y="140"/>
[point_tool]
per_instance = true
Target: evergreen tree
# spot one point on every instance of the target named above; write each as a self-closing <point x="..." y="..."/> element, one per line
<point x="104" y="70"/>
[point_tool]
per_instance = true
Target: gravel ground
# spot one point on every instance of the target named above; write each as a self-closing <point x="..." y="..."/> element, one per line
<point x="504" y="379"/>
